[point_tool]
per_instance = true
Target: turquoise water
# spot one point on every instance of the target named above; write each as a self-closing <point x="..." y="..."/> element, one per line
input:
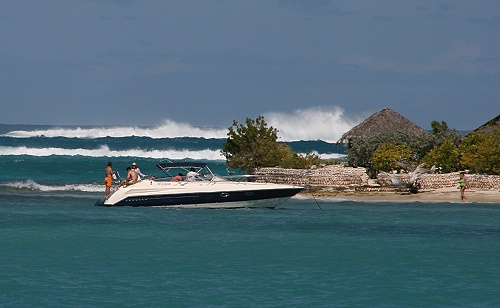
<point x="348" y="254"/>
<point x="58" y="249"/>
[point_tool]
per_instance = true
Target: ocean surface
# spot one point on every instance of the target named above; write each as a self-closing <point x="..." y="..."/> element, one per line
<point x="58" y="249"/>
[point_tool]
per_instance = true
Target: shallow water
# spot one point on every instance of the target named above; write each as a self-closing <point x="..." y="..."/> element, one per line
<point x="347" y="254"/>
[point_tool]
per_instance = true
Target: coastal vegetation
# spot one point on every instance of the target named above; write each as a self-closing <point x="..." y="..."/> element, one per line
<point x="480" y="152"/>
<point x="254" y="144"/>
<point x="446" y="149"/>
<point x="380" y="151"/>
<point x="446" y="156"/>
<point x="442" y="134"/>
<point x="385" y="157"/>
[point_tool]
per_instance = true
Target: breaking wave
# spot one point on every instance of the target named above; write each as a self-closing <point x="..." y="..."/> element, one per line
<point x="104" y="151"/>
<point x="169" y="129"/>
<point x="315" y="123"/>
<point x="32" y="185"/>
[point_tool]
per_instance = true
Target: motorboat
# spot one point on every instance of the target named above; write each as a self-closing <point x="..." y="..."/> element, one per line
<point x="203" y="190"/>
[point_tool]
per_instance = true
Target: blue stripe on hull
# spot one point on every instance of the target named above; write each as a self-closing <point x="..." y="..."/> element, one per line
<point x="207" y="198"/>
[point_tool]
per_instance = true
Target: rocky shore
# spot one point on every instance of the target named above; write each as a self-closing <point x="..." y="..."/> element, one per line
<point x="338" y="181"/>
<point x="431" y="195"/>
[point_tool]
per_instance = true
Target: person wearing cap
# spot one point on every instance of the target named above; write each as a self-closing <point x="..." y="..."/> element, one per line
<point x="138" y="171"/>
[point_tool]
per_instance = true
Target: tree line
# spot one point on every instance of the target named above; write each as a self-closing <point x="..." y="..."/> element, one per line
<point x="444" y="148"/>
<point x="254" y="144"/>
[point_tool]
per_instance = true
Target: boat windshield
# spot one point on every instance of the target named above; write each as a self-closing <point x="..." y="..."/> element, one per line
<point x="188" y="172"/>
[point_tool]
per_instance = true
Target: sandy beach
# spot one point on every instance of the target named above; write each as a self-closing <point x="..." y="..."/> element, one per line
<point x="430" y="195"/>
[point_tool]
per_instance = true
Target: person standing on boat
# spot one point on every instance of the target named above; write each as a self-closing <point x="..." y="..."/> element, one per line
<point x="138" y="171"/>
<point x="108" y="179"/>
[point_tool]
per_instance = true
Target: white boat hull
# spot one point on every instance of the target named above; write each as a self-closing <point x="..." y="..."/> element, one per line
<point x="202" y="194"/>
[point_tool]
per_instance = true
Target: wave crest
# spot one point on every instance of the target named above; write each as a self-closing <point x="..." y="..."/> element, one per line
<point x="315" y="123"/>
<point x="32" y="185"/>
<point x="169" y="129"/>
<point x="104" y="151"/>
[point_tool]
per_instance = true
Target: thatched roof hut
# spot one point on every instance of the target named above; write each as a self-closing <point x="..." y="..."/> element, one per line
<point x="490" y="126"/>
<point x="384" y="121"/>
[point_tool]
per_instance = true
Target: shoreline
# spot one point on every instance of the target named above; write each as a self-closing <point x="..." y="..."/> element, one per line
<point x="448" y="195"/>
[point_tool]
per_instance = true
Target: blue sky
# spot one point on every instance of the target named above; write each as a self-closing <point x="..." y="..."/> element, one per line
<point x="207" y="63"/>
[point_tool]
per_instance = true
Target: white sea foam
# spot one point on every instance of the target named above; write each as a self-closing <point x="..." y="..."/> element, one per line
<point x="104" y="151"/>
<point x="32" y="185"/>
<point x="169" y="129"/>
<point x="315" y="123"/>
<point x="331" y="156"/>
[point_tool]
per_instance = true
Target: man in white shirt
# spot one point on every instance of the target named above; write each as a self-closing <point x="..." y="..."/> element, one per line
<point x="138" y="171"/>
<point x="191" y="175"/>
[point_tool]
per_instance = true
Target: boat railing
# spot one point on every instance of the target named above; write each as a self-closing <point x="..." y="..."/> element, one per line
<point x="205" y="174"/>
